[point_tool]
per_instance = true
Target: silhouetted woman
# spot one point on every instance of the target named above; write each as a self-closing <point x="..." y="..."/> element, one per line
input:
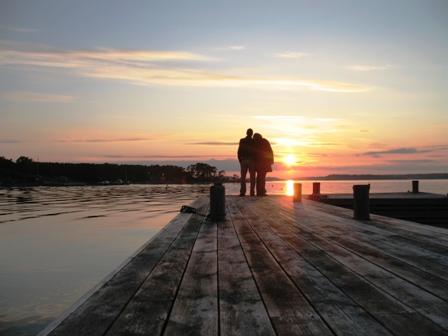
<point x="264" y="158"/>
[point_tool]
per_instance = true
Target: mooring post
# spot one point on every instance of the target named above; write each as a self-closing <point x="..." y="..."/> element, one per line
<point x="415" y="187"/>
<point x="297" y="197"/>
<point x="217" y="202"/>
<point x="361" y="202"/>
<point x="316" y="189"/>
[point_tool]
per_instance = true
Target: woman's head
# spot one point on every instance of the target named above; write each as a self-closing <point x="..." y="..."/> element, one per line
<point x="257" y="137"/>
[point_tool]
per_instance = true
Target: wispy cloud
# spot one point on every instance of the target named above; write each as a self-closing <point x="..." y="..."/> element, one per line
<point x="213" y="143"/>
<point x="92" y="58"/>
<point x="18" y="29"/>
<point x="99" y="140"/>
<point x="9" y="141"/>
<point x="406" y="150"/>
<point x="37" y="97"/>
<point x="156" y="68"/>
<point x="232" y="47"/>
<point x="368" y="67"/>
<point x="291" y="54"/>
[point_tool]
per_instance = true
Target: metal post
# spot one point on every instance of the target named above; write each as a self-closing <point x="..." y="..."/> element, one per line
<point x="217" y="202"/>
<point x="361" y="202"/>
<point x="415" y="187"/>
<point x="316" y="188"/>
<point x="297" y="197"/>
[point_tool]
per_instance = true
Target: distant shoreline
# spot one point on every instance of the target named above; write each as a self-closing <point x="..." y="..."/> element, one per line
<point x="272" y="179"/>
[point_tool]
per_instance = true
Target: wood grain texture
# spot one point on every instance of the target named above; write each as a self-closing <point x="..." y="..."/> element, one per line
<point x="242" y="311"/>
<point x="195" y="310"/>
<point x="102" y="308"/>
<point x="276" y="268"/>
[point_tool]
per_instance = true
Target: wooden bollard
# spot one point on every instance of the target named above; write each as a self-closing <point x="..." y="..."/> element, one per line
<point x="316" y="188"/>
<point x="217" y="202"/>
<point x="361" y="202"/>
<point x="415" y="187"/>
<point x="297" y="197"/>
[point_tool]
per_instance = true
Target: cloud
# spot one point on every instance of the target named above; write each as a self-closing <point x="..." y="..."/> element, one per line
<point x="291" y="54"/>
<point x="107" y="140"/>
<point x="19" y="29"/>
<point x="37" y="97"/>
<point x="406" y="150"/>
<point x="366" y="67"/>
<point x="144" y="67"/>
<point x="392" y="151"/>
<point x="213" y="143"/>
<point x="89" y="58"/>
<point x="9" y="141"/>
<point x="233" y="47"/>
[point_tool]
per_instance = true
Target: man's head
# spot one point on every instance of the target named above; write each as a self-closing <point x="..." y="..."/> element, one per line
<point x="249" y="132"/>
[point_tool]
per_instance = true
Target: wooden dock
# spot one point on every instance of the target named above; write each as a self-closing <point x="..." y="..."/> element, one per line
<point x="275" y="268"/>
<point x="424" y="208"/>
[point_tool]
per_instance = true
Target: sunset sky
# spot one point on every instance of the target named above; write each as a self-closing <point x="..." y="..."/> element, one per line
<point x="336" y="86"/>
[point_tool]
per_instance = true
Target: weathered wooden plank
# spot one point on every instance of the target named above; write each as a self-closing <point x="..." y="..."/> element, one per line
<point x="195" y="310"/>
<point x="429" y="258"/>
<point x="397" y="317"/>
<point x="404" y="228"/>
<point x="431" y="283"/>
<point x="148" y="310"/>
<point x="406" y="292"/>
<point x="290" y="312"/>
<point x="359" y="243"/>
<point x="241" y="309"/>
<point x="342" y="314"/>
<point x="95" y="315"/>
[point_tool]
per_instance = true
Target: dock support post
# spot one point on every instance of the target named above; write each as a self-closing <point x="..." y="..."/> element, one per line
<point x="316" y="189"/>
<point x="217" y="202"/>
<point x="361" y="202"/>
<point x="297" y="197"/>
<point x="415" y="187"/>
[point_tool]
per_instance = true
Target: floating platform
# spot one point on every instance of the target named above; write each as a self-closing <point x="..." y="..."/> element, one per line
<point x="424" y="208"/>
<point x="274" y="267"/>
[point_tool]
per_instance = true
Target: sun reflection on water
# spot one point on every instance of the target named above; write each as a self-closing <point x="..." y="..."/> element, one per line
<point x="289" y="188"/>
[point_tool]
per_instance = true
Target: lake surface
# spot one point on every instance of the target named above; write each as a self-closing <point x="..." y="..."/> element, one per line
<point x="56" y="243"/>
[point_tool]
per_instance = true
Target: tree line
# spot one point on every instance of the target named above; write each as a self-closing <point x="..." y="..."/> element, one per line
<point x="26" y="171"/>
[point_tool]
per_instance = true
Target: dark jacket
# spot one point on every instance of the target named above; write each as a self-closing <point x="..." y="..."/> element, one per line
<point x="264" y="155"/>
<point x="246" y="149"/>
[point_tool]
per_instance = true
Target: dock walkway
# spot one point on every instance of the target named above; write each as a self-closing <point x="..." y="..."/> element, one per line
<point x="424" y="208"/>
<point x="276" y="268"/>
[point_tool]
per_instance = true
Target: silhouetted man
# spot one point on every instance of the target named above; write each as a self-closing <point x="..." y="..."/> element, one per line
<point x="246" y="159"/>
<point x="264" y="158"/>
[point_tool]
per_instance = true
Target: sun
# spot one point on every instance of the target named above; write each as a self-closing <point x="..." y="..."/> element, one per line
<point x="290" y="159"/>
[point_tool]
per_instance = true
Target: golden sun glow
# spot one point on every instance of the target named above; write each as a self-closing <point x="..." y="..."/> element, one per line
<point x="290" y="159"/>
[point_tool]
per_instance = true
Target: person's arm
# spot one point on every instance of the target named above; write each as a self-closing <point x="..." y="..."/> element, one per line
<point x="271" y="153"/>
<point x="239" y="151"/>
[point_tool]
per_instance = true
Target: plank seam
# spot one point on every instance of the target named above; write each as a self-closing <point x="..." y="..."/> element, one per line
<point x="366" y="280"/>
<point x="146" y="278"/>
<point x="286" y="273"/>
<point x="334" y="284"/>
<point x="181" y="279"/>
<point x="373" y="262"/>
<point x="252" y="274"/>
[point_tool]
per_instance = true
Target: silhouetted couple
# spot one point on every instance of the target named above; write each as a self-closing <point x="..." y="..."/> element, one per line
<point x="256" y="157"/>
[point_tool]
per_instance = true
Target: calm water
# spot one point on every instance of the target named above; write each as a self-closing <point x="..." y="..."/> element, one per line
<point x="57" y="243"/>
